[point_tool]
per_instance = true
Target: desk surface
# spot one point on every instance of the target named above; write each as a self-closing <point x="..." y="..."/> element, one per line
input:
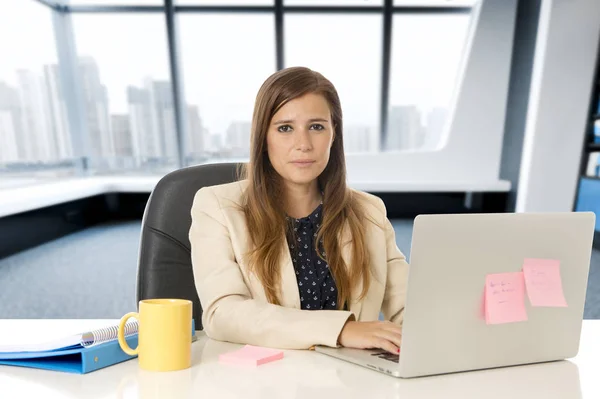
<point x="301" y="374"/>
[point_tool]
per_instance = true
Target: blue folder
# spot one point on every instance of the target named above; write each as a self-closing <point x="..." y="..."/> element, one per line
<point x="76" y="358"/>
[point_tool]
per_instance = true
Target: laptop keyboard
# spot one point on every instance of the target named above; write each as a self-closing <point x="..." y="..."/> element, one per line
<point x="387" y="356"/>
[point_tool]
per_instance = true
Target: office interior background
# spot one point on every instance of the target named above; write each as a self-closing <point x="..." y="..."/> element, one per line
<point x="450" y="106"/>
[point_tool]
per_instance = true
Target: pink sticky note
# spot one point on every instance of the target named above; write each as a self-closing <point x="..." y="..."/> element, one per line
<point x="482" y="309"/>
<point x="504" y="298"/>
<point x="251" y="356"/>
<point x="543" y="282"/>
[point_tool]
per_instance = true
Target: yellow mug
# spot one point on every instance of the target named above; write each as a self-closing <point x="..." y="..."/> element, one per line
<point x="164" y="334"/>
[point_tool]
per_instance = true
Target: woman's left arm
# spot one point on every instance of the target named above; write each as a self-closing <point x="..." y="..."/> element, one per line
<point x="397" y="275"/>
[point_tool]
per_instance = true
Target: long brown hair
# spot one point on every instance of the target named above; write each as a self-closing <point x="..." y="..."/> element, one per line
<point x="262" y="201"/>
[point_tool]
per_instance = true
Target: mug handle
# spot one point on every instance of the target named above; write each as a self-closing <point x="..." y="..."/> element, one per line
<point x="121" y="334"/>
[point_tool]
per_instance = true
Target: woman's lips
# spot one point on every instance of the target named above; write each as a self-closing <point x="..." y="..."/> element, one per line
<point x="303" y="163"/>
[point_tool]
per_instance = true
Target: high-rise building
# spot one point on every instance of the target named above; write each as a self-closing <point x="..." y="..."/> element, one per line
<point x="123" y="145"/>
<point x="35" y="140"/>
<point x="216" y="142"/>
<point x="195" y="133"/>
<point x="59" y="131"/>
<point x="10" y="124"/>
<point x="161" y="94"/>
<point x="238" y="139"/>
<point x="8" y="138"/>
<point x="102" y="144"/>
<point x="152" y="121"/>
<point x="144" y="138"/>
<point x="436" y="120"/>
<point x="122" y="133"/>
<point x="357" y="138"/>
<point x="404" y="128"/>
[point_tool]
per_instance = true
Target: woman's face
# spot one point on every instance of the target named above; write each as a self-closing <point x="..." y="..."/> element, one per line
<point x="299" y="139"/>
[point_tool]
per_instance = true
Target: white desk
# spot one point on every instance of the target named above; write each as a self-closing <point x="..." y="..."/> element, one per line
<point x="301" y="374"/>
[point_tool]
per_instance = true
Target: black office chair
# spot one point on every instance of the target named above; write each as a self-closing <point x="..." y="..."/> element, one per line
<point x="164" y="261"/>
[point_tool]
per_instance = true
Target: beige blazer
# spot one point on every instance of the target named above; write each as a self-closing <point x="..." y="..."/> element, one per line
<point x="233" y="300"/>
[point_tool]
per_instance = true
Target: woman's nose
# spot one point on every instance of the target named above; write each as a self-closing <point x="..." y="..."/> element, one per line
<point x="303" y="142"/>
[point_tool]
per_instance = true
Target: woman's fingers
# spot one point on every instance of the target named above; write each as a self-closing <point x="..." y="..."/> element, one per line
<point x="387" y="345"/>
<point x="382" y="335"/>
<point x="392" y="337"/>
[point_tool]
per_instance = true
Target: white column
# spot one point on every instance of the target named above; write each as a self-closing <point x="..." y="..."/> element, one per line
<point x="561" y="85"/>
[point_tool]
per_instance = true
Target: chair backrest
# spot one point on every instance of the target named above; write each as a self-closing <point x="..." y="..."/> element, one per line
<point x="164" y="261"/>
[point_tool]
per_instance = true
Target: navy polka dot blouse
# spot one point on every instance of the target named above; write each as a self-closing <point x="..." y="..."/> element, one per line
<point x="315" y="282"/>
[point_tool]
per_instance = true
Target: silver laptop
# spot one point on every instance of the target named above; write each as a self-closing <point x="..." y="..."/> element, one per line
<point x="444" y="330"/>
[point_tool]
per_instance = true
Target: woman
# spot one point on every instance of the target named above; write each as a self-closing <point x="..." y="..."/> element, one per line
<point x="288" y="256"/>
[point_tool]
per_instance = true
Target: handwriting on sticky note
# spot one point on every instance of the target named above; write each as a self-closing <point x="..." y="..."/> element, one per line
<point x="504" y="298"/>
<point x="543" y="282"/>
<point x="251" y="356"/>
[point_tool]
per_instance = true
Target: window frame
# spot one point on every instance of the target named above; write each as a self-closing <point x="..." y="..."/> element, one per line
<point x="170" y="10"/>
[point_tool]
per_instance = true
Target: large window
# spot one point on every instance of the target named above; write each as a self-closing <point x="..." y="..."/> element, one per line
<point x="128" y="99"/>
<point x="225" y="59"/>
<point x="429" y="3"/>
<point x="108" y="105"/>
<point x="426" y="55"/>
<point x="34" y="131"/>
<point x="112" y="2"/>
<point x="224" y="2"/>
<point x="333" y="2"/>
<point x="351" y="59"/>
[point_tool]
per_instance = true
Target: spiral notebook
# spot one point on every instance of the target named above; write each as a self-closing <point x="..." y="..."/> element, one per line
<point x="81" y="340"/>
<point x="78" y="353"/>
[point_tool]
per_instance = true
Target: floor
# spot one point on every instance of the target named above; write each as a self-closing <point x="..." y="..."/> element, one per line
<point x="92" y="274"/>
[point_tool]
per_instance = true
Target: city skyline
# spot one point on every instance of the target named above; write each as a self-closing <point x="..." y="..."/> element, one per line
<point x="34" y="124"/>
<point x="125" y="94"/>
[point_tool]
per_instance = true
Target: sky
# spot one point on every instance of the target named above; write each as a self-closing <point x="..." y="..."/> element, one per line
<point x="226" y="57"/>
<point x="24" y="45"/>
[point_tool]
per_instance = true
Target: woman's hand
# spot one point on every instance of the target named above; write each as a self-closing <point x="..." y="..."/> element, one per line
<point x="369" y="335"/>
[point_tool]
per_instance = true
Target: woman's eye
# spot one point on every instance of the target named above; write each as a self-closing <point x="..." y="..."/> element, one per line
<point x="317" y="126"/>
<point x="284" y="129"/>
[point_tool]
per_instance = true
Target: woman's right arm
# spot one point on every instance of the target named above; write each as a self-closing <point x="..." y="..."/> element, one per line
<point x="229" y="311"/>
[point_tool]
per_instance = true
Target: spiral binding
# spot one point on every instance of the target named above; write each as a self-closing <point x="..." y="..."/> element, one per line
<point x="108" y="334"/>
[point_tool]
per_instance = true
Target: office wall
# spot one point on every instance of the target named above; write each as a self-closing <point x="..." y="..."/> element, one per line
<point x="470" y="151"/>
<point x="564" y="64"/>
